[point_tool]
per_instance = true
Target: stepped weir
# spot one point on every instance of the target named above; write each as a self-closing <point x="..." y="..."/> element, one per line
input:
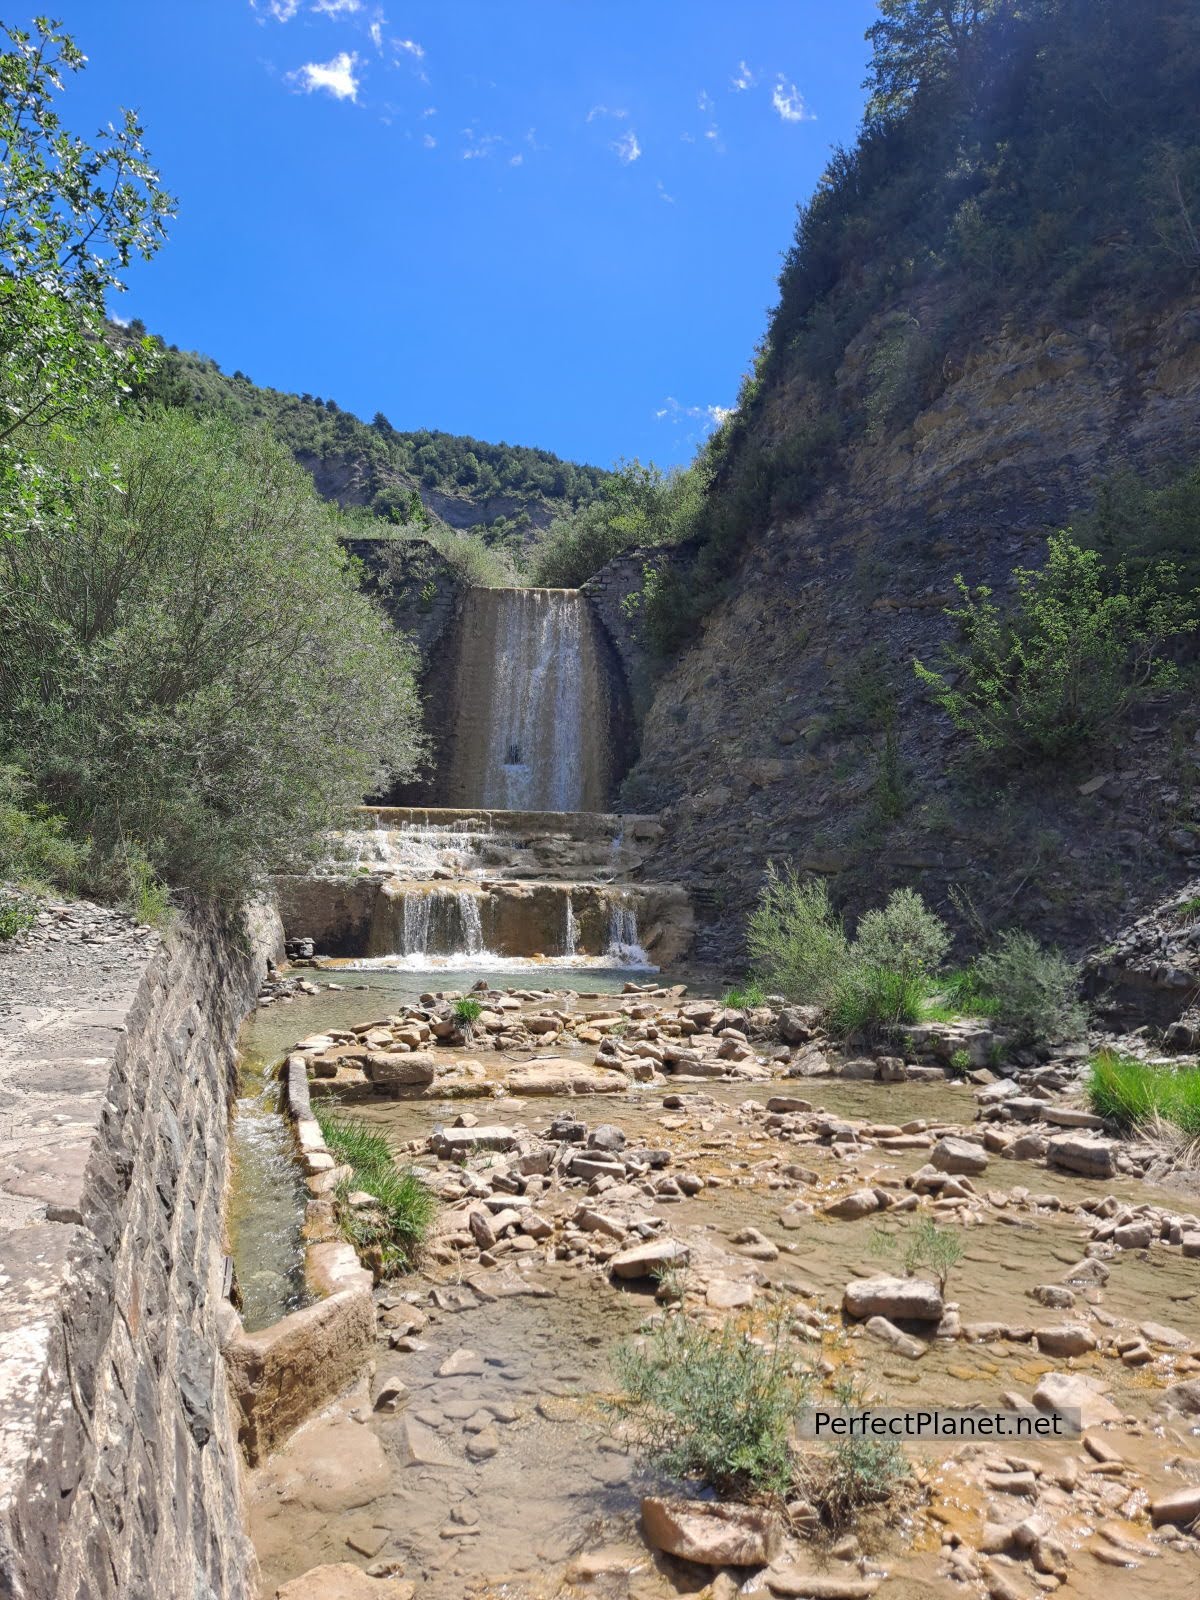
<point x="519" y="859"/>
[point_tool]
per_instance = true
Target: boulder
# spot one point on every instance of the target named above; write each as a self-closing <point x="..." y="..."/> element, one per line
<point x="343" y="1581"/>
<point x="1070" y="1339"/>
<point x="897" y="1299"/>
<point x="1135" y="1236"/>
<point x="1066" y="1391"/>
<point x="712" y="1533"/>
<point x="902" y="1343"/>
<point x="1076" y="1152"/>
<point x="958" y="1156"/>
<point x="858" y="1203"/>
<point x="644" y="1260"/>
<point x="1182" y="1397"/>
<point x="1181" y="1507"/>
<point x="797" y="1024"/>
<point x="452" y="1142"/>
<point x="387" y="1069"/>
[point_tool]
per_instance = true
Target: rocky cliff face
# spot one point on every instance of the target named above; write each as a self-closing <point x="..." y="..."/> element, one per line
<point x="763" y="740"/>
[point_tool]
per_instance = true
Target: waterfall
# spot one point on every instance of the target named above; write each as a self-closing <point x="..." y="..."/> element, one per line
<point x="420" y="921"/>
<point x="531" y="705"/>
<point x="623" y="932"/>
<point x="571" y="929"/>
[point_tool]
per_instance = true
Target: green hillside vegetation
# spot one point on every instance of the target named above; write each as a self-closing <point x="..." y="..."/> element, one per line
<point x="395" y="468"/>
<point x="1014" y="153"/>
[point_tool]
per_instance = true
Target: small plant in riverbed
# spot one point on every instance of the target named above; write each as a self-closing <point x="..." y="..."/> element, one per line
<point x="923" y="1248"/>
<point x="874" y="1000"/>
<point x="392" y="1232"/>
<point x="960" y="1063"/>
<point x="466" y="1013"/>
<point x="711" y="1404"/>
<point x="854" y="1472"/>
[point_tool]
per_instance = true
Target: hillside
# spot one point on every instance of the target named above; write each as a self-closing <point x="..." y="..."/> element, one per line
<point x="503" y="492"/>
<point x="990" y="309"/>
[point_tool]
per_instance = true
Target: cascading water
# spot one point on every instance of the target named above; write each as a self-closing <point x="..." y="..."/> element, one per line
<point x="419" y="921"/>
<point x="531" y="712"/>
<point x="623" y="932"/>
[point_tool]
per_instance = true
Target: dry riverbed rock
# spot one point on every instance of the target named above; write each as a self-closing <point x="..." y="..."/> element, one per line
<point x="713" y="1533"/>
<point x="897" y="1299"/>
<point x="342" y="1581"/>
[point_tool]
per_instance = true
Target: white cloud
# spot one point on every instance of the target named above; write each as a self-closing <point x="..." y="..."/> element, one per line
<point x="376" y="32"/>
<point x="337" y="76"/>
<point x="281" y="10"/>
<point x="662" y="193"/>
<point x="429" y="142"/>
<point x="627" y="148"/>
<point x="709" y="417"/>
<point x="516" y="161"/>
<point x="335" y="8"/>
<point x="606" y="111"/>
<point x="743" y="78"/>
<point x="789" y="102"/>
<point x="429" y="111"/>
<point x="410" y="47"/>
<point x="121" y="322"/>
<point x="704" y="100"/>
<point x="480" y="144"/>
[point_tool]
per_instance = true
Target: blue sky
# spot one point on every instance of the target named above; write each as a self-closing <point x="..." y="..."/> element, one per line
<point x="553" y="222"/>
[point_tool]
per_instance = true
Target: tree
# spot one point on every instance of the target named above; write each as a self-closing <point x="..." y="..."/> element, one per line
<point x="917" y="41"/>
<point x="190" y="672"/>
<point x="72" y="218"/>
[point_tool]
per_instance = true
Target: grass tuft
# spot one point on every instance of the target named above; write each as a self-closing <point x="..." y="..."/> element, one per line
<point x="390" y="1234"/>
<point x="1132" y="1094"/>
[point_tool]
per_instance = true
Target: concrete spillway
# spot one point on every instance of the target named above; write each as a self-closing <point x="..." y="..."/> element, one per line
<point x="531" y="708"/>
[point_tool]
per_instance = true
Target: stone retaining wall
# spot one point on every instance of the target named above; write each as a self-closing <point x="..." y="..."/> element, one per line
<point x="119" y="1464"/>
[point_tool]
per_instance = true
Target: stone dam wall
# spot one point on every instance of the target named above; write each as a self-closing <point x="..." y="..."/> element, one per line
<point x="119" y="1462"/>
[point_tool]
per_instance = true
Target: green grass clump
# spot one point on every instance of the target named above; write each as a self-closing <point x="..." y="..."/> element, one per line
<point x="467" y="1012"/>
<point x="874" y="1000"/>
<point x="711" y="1404"/>
<point x="1130" y="1093"/>
<point x="745" y="997"/>
<point x="389" y="1235"/>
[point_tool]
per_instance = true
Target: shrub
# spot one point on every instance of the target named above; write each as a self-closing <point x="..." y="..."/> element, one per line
<point x="1130" y="1093"/>
<point x="390" y="1234"/>
<point x="853" y="1472"/>
<point x="188" y="667"/>
<point x="795" y="940"/>
<point x="960" y="1063"/>
<point x="873" y="1000"/>
<point x="905" y="936"/>
<point x="467" y="1011"/>
<point x="1035" y="990"/>
<point x="713" y="1404"/>
<point x="1080" y="646"/>
<point x="34" y="849"/>
<point x="17" y="913"/>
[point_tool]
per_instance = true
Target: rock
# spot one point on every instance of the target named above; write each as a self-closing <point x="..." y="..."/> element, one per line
<point x="898" y="1299"/>
<point x="420" y="1446"/>
<point x="723" y="1295"/>
<point x="1191" y="1245"/>
<point x="644" y="1260"/>
<point x="343" y="1581"/>
<point x="1055" y="1296"/>
<point x="388" y="1070"/>
<point x="1183" y="1397"/>
<point x="1071" y="1339"/>
<point x="793" y="1580"/>
<point x="1065" y="1391"/>
<point x="1135" y="1236"/>
<point x="712" y="1533"/>
<point x="859" y="1203"/>
<point x="453" y="1142"/>
<point x="462" y="1364"/>
<point x="484" y="1445"/>
<point x="391" y="1395"/>
<point x="958" y="1156"/>
<point x="1181" y="1507"/>
<point x="1076" y="1152"/>
<point x="903" y="1343"/>
<point x="797" y="1024"/>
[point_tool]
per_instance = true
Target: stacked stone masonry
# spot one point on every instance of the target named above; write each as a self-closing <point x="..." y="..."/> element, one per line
<point x="119" y="1466"/>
